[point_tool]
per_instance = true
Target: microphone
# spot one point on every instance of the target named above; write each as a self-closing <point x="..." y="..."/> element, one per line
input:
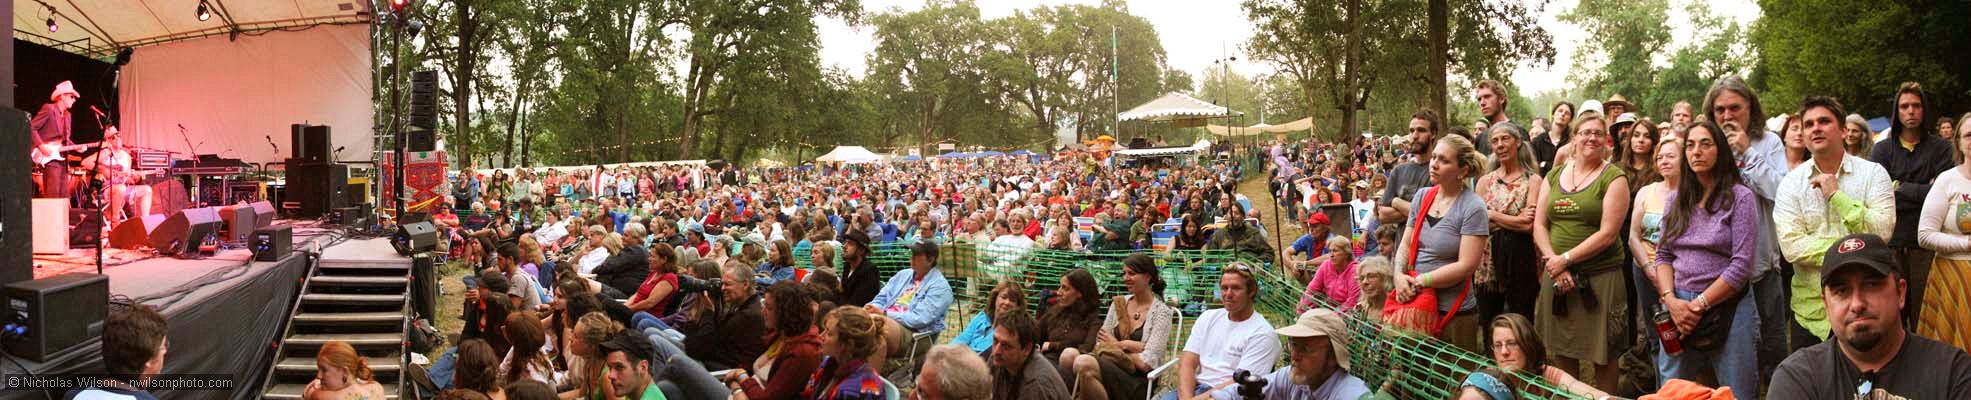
<point x="99" y="112"/>
<point x="270" y="142"/>
<point x="182" y="127"/>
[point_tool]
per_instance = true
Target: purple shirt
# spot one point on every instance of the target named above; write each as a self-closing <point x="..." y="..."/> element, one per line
<point x="1714" y="245"/>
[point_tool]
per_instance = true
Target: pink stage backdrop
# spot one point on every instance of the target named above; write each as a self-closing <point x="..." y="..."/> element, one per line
<point x="232" y="95"/>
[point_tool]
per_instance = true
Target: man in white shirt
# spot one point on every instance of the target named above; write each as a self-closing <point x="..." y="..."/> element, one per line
<point x="1830" y="196"/>
<point x="552" y="232"/>
<point x="1226" y="340"/>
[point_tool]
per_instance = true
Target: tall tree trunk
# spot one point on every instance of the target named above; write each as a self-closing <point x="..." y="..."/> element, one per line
<point x="1351" y="62"/>
<point x="463" y="77"/>
<point x="1440" y="15"/>
<point x="512" y="122"/>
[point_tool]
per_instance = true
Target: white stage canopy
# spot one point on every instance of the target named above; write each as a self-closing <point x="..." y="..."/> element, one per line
<point x="234" y="96"/>
<point x="1175" y="106"/>
<point x="98" y="28"/>
<point x="850" y="155"/>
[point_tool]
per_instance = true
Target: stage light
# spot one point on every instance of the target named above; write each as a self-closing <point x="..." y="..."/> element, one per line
<point x="204" y="11"/>
<point x="398" y="5"/>
<point x="51" y="25"/>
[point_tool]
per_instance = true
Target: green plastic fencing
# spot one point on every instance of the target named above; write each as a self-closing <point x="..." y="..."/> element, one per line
<point x="1412" y="365"/>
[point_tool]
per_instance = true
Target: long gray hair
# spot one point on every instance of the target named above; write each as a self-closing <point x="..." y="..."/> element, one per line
<point x="1523" y="155"/>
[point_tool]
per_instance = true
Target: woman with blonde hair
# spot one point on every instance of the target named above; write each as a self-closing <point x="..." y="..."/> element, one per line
<point x="823" y="257"/>
<point x="1444" y="245"/>
<point x="341" y="373"/>
<point x="850" y="336"/>
<point x="1858" y="135"/>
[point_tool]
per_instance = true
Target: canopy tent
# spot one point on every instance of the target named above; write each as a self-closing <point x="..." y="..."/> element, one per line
<point x="99" y="28"/>
<point x="912" y="157"/>
<point x="1020" y="153"/>
<point x="1175" y="106"/>
<point x="1296" y="126"/>
<point x="850" y="155"/>
<point x="1202" y="146"/>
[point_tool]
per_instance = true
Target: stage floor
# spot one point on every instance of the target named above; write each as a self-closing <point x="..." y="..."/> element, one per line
<point x="247" y="300"/>
<point x="141" y="275"/>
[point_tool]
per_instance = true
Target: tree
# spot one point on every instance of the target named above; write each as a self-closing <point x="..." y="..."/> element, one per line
<point x="1624" y="36"/>
<point x="722" y="32"/>
<point x="1362" y="52"/>
<point x="1176" y="80"/>
<point x="1859" y="51"/>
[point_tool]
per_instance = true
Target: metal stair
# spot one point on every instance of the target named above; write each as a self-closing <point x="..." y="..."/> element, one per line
<point x="365" y="303"/>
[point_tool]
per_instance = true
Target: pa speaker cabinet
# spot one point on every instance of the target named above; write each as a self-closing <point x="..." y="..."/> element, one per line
<point x="269" y="244"/>
<point x="309" y="143"/>
<point x="317" y="188"/>
<point x="240" y="220"/>
<point x="50" y="226"/>
<point x="135" y="232"/>
<point x="424" y="285"/>
<point x="416" y="237"/>
<point x="263" y="212"/>
<point x="54" y="313"/>
<point x="16" y="220"/>
<point x="185" y="230"/>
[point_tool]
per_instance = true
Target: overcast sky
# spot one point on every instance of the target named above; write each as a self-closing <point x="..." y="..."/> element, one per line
<point x="1197" y="33"/>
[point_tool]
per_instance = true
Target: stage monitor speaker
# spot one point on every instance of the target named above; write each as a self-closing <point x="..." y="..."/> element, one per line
<point x="239" y="221"/>
<point x="263" y="214"/>
<point x="424" y="285"/>
<point x="135" y="232"/>
<point x="16" y="258"/>
<point x="317" y="188"/>
<point x="415" y="238"/>
<point x="185" y="230"/>
<point x="53" y="314"/>
<point x="85" y="227"/>
<point x="50" y="227"/>
<point x="270" y="244"/>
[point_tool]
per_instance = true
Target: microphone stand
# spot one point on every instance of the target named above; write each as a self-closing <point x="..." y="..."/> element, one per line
<point x="102" y="203"/>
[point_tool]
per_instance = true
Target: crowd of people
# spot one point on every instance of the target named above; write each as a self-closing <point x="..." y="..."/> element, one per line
<point x="1739" y="254"/>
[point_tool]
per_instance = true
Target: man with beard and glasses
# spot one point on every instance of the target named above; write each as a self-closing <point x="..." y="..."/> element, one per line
<point x="1318" y="349"/>
<point x="1871" y="355"/>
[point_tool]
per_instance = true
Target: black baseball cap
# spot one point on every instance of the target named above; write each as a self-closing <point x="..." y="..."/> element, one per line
<point x="1858" y="250"/>
<point x="637" y="347"/>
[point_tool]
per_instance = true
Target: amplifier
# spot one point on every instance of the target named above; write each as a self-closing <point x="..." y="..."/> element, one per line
<point x="269" y="244"/>
<point x="150" y="159"/>
<point x="50" y="315"/>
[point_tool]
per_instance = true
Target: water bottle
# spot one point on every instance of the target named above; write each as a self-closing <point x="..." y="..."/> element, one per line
<point x="1666" y="331"/>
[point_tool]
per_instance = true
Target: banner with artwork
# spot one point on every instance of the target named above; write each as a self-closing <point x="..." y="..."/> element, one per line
<point x="424" y="176"/>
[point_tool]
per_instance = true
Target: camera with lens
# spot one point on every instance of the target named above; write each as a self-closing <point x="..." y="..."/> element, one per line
<point x="689" y="285"/>
<point x="1251" y="387"/>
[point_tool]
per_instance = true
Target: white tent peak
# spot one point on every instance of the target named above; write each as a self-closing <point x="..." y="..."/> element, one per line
<point x="850" y="155"/>
<point x="1172" y="106"/>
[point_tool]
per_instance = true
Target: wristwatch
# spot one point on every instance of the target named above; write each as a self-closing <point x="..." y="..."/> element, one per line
<point x="1699" y="304"/>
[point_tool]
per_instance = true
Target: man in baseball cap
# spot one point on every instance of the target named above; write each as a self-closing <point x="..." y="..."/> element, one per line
<point x="1871" y="355"/>
<point x="1310" y="249"/>
<point x="1317" y="345"/>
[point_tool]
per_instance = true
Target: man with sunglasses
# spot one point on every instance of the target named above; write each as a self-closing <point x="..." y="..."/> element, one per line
<point x="1871" y="355"/>
<point x="1318" y="348"/>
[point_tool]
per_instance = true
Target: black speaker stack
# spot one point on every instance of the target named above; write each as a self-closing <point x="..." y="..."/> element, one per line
<point x="424" y="112"/>
<point x="16" y="233"/>
<point x="315" y="183"/>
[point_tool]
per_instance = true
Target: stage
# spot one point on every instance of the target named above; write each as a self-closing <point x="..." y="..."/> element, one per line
<point x="226" y="312"/>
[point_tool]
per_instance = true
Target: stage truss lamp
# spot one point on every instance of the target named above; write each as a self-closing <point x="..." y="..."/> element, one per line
<point x="51" y="25"/>
<point x="204" y="11"/>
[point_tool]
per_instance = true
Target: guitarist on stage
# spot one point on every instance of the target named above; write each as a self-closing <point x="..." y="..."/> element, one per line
<point x="51" y="129"/>
<point x="124" y="184"/>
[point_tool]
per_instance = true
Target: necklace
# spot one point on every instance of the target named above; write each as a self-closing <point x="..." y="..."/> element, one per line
<point x="1582" y="180"/>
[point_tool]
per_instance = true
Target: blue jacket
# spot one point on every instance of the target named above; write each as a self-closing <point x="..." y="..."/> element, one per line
<point x="977" y="334"/>
<point x="927" y="307"/>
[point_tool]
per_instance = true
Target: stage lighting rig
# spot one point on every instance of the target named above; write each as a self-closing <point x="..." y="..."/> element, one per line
<point x="51" y="19"/>
<point x="398" y="5"/>
<point x="204" y="10"/>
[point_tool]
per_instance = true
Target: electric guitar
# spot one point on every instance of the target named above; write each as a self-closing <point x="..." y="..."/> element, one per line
<point x="52" y="151"/>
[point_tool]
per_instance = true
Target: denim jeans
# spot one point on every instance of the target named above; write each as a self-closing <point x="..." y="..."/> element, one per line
<point x="1204" y="391"/>
<point x="644" y="321"/>
<point x="1735" y="364"/>
<point x="680" y="376"/>
<point x="442" y="369"/>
